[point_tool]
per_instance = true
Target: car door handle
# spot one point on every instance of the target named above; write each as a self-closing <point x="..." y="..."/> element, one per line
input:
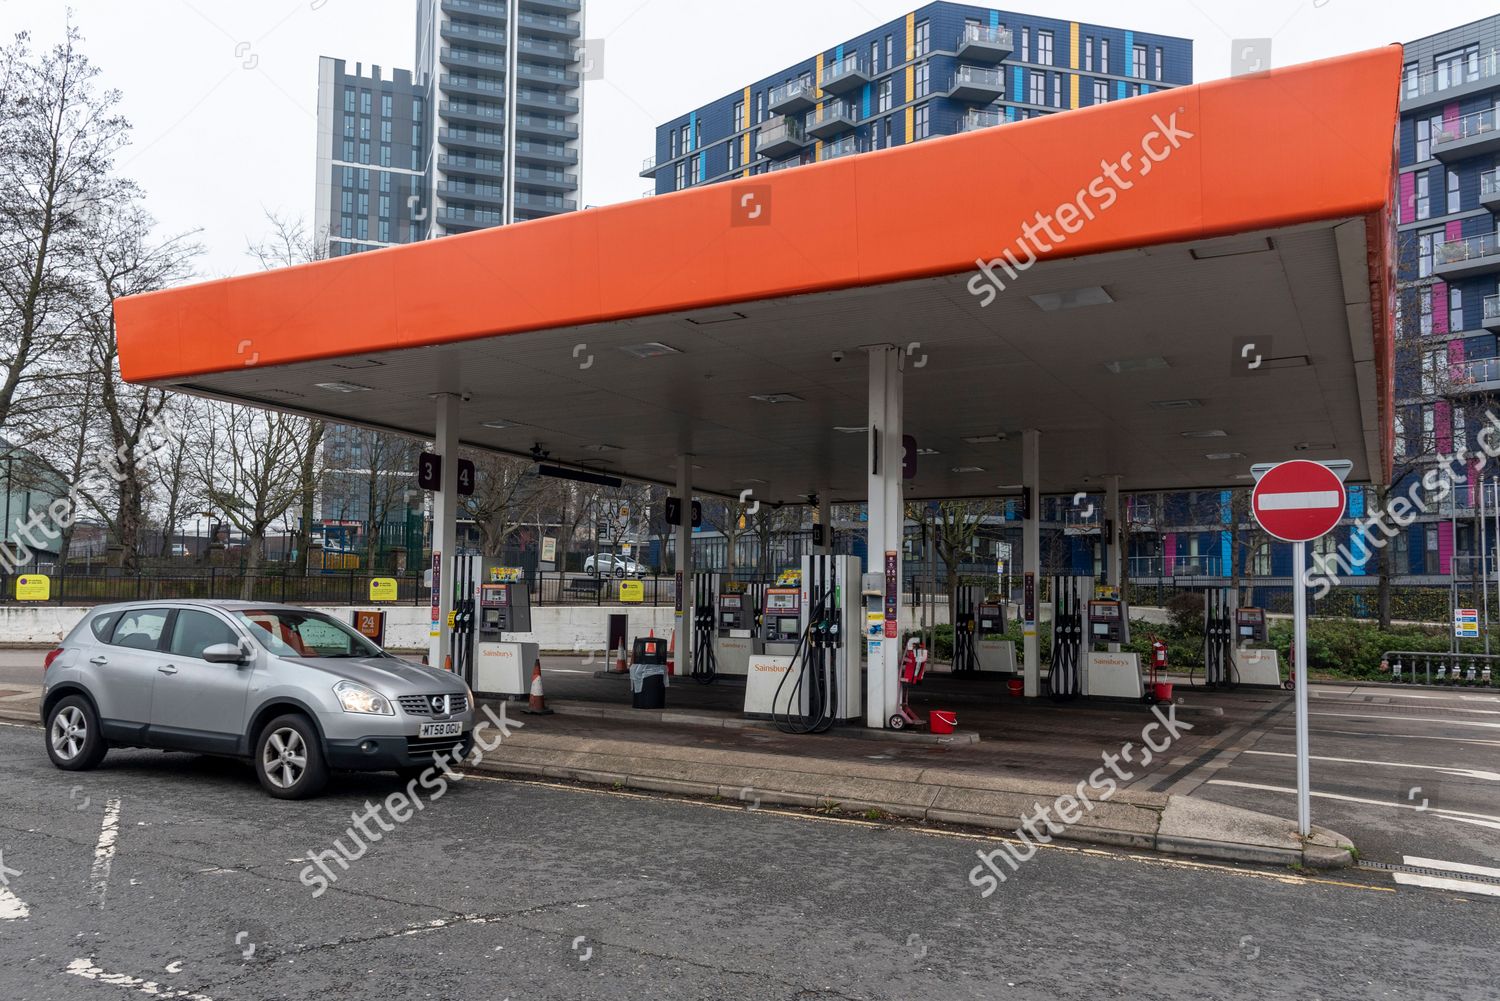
<point x="99" y="661"/>
<point x="167" y="669"/>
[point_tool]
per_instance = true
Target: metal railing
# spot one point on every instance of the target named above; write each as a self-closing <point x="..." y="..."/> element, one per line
<point x="974" y="120"/>
<point x="847" y="146"/>
<point x="1474" y="124"/>
<point x="649" y="163"/>
<point x="1469" y="249"/>
<point x="1478" y="372"/>
<point x="791" y="91"/>
<point x="853" y="65"/>
<point x="1492" y="308"/>
<point x="980" y="34"/>
<point x="1473" y="70"/>
<point x="1442" y="668"/>
<point x="832" y="113"/>
<point x="780" y="130"/>
<point x="978" y="75"/>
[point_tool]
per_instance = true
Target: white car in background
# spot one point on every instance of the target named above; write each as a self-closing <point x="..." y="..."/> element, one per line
<point x="611" y="565"/>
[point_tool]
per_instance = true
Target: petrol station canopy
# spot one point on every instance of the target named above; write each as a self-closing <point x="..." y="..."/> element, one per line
<point x="706" y="322"/>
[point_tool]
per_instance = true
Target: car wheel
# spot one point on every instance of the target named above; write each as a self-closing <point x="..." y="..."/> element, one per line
<point x="289" y="758"/>
<point x="73" y="739"/>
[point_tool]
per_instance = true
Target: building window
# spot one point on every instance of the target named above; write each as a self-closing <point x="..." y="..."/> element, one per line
<point x="1101" y="91"/>
<point x="875" y="57"/>
<point x="347" y="203"/>
<point x="890" y="132"/>
<point x="385" y="156"/>
<point x="694" y="171"/>
<point x="1057" y="79"/>
<point x="385" y="182"/>
<point x="1044" y="47"/>
<point x="364" y="128"/>
<point x="385" y="132"/>
<point x="923" y="43"/>
<point x="681" y="176"/>
<point x="922" y="122"/>
<point x="1025" y="45"/>
<point x="672" y="145"/>
<point x="1103" y="55"/>
<point x="364" y="152"/>
<point x="924" y="81"/>
<point x="1424" y="316"/>
<point x="385" y="105"/>
<point x="760" y="107"/>
<point x="890" y="51"/>
<point x="1038" y="87"/>
<point x="739" y="115"/>
<point x="1424" y="196"/>
<point x="687" y="138"/>
<point x="1138" y="62"/>
<point x="884" y="92"/>
<point x="734" y="154"/>
<point x="1460" y="428"/>
<point x="385" y="231"/>
<point x="1454" y="200"/>
<point x="1457" y="67"/>
<point x="1160" y="63"/>
<point x="1455" y="309"/>
<point x="1409" y="79"/>
<point x="416" y="109"/>
<point x="1426" y="243"/>
<point x="875" y="134"/>
<point x="364" y="102"/>
<point x="1088" y="52"/>
<point x="348" y="156"/>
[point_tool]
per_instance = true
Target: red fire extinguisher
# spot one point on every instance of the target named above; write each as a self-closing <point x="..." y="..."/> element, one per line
<point x="1156" y="691"/>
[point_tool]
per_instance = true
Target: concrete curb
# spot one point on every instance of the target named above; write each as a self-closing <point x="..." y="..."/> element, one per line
<point x="683" y="717"/>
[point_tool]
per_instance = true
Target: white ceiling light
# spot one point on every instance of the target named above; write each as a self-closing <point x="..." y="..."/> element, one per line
<point x="1177" y="404"/>
<point x="1205" y="434"/>
<point x="1136" y="365"/>
<point x="984" y="439"/>
<point x="851" y="430"/>
<point x="968" y="469"/>
<point x="1051" y="302"/>
<point x="343" y="387"/>
<point x="651" y="349"/>
<point x="498" y="425"/>
<point x="777" y="398"/>
<point x="1223" y="456"/>
<point x="928" y="451"/>
<point x="1233" y="248"/>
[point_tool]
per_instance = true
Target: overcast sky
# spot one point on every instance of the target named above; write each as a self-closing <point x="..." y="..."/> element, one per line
<point x="223" y="93"/>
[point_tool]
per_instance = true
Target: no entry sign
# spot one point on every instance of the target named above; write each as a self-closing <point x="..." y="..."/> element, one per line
<point x="1298" y="501"/>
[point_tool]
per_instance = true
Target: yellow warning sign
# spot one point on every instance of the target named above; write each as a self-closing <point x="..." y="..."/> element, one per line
<point x="33" y="587"/>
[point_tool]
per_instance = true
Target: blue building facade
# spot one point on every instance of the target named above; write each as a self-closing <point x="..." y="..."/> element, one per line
<point x="942" y="69"/>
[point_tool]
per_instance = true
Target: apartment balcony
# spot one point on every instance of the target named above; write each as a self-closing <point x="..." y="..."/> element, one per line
<point x="980" y="118"/>
<point x="1477" y="375"/>
<point x="1492" y="312"/>
<point x="475" y="8"/>
<point x="847" y="146"/>
<point x="552" y="6"/>
<point x="450" y="164"/>
<point x="846" y="75"/>
<point x="473" y="59"/>
<point x="467" y="218"/>
<point x="1489" y="190"/>
<point x="834" y="118"/>
<point x="793" y="98"/>
<point x="537" y="48"/>
<point x="546" y="154"/>
<point x="780" y="138"/>
<point x="1451" y="84"/>
<point x="796" y="161"/>
<point x="458" y="31"/>
<point x="549" y="25"/>
<point x="555" y="76"/>
<point x="547" y="100"/>
<point x="548" y="180"/>
<point x="1477" y="255"/>
<point x="525" y="200"/>
<point x="1469" y="136"/>
<point x="977" y="85"/>
<point x="469" y="139"/>
<point x="546" y="128"/>
<point x="982" y="44"/>
<point x="489" y="116"/>
<point x="492" y="195"/>
<point x="490" y="88"/>
<point x="648" y="168"/>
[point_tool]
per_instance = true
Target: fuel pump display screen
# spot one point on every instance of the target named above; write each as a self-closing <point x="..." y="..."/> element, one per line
<point x="788" y="626"/>
<point x="728" y="601"/>
<point x="1104" y="620"/>
<point x="783" y="602"/>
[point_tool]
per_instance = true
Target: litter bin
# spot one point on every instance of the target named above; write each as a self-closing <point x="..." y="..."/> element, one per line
<point x="648" y="674"/>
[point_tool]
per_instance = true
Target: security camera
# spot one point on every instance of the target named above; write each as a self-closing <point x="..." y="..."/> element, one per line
<point x="838" y="356"/>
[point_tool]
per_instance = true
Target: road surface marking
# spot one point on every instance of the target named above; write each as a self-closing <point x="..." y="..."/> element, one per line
<point x="1418" y="808"/>
<point x="104" y="851"/>
<point x="1441" y="883"/>
<point x="1413" y="719"/>
<point x="86" y="969"/>
<point x="1467" y="773"/>
<point x="12" y="907"/>
<point x="1473" y="870"/>
<point x="1397" y="736"/>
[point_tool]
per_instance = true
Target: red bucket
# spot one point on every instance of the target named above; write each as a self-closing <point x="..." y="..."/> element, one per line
<point x="942" y="720"/>
<point x="1017" y="687"/>
<point x="1163" y="691"/>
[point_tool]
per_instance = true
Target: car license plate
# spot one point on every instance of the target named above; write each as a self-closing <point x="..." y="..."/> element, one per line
<point x="441" y="730"/>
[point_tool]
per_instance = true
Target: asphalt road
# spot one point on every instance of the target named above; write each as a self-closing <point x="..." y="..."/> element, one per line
<point x="510" y="890"/>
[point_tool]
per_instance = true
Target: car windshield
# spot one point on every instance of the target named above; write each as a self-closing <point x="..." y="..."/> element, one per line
<point x="295" y="632"/>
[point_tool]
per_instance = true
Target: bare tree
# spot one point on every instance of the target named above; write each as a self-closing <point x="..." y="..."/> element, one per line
<point x="507" y="495"/>
<point x="58" y="138"/>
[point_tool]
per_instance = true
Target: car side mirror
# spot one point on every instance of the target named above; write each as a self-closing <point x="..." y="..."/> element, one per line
<point x="225" y="653"/>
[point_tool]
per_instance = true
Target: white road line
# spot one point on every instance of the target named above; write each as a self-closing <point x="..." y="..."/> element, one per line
<point x="1442" y="883"/>
<point x="12" y="907"/>
<point x="1414" y="719"/>
<point x="1418" y="808"/>
<point x="1473" y="870"/>
<point x="1395" y="736"/>
<point x="1492" y="824"/>
<point x="104" y="851"/>
<point x="1467" y="773"/>
<point x="86" y="969"/>
<point x="1416" y="695"/>
<point x="1451" y="709"/>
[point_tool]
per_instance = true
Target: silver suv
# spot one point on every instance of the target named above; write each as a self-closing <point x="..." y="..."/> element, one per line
<point x="295" y="691"/>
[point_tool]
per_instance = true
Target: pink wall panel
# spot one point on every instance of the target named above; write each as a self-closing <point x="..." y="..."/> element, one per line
<point x="1445" y="546"/>
<point x="1440" y="308"/>
<point x="1408" y="197"/>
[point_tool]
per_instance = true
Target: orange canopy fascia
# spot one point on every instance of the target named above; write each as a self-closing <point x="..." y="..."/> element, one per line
<point x="1306" y="143"/>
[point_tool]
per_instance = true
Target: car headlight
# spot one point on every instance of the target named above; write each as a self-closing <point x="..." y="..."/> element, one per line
<point x="359" y="699"/>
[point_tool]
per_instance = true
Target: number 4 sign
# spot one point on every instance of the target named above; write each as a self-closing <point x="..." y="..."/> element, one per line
<point x="430" y="474"/>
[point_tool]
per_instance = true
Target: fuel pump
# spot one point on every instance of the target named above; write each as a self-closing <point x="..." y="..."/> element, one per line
<point x="502" y="664"/>
<point x="1218" y="640"/>
<point x="1250" y="625"/>
<point x="737" y="638"/>
<point x="1064" y="680"/>
<point x="705" y="658"/>
<point x="995" y="652"/>
<point x="781" y="623"/>
<point x="461" y="635"/>
<point x="965" y="631"/>
<point x="822" y="686"/>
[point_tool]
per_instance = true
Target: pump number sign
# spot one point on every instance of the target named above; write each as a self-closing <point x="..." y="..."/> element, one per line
<point x="1298" y="501"/>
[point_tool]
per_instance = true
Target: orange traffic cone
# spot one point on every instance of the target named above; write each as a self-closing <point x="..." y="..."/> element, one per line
<point x="671" y="650"/>
<point x="620" y="665"/>
<point x="538" y="704"/>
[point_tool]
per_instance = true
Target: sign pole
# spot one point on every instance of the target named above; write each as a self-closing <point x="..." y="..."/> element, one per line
<point x="1299" y="633"/>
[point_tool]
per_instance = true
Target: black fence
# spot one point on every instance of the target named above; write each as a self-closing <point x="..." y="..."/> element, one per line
<point x="328" y="588"/>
